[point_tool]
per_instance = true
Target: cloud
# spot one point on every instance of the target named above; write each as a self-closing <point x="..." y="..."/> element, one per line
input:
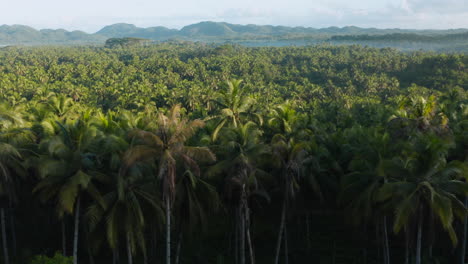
<point x="438" y="6"/>
<point x="417" y="14"/>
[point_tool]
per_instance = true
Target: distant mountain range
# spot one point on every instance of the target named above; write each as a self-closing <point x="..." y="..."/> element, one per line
<point x="203" y="31"/>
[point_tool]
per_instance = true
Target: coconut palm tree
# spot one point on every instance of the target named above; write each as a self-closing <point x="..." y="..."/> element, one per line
<point x="424" y="183"/>
<point x="166" y="147"/>
<point x="291" y="157"/>
<point x="13" y="140"/>
<point x="370" y="150"/>
<point x="195" y="199"/>
<point x="234" y="103"/>
<point x="67" y="169"/>
<point x="241" y="153"/>
<point x="125" y="210"/>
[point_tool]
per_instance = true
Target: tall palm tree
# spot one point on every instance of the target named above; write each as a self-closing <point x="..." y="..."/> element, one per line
<point x="422" y="184"/>
<point x="13" y="140"/>
<point x="67" y="169"/>
<point x="166" y="147"/>
<point x="195" y="199"/>
<point x="370" y="150"/>
<point x="291" y="157"/>
<point x="242" y="153"/>
<point x="125" y="209"/>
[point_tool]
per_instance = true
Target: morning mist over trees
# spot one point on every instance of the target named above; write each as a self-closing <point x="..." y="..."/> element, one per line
<point x="211" y="132"/>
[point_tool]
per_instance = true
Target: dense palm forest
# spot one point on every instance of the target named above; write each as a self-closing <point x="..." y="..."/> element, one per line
<point x="196" y="153"/>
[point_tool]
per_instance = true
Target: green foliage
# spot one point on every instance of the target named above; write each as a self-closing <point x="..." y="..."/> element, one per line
<point x="325" y="140"/>
<point x="125" y="42"/>
<point x="56" y="259"/>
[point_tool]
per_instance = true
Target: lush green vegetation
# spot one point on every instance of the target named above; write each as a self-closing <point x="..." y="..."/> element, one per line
<point x="162" y="154"/>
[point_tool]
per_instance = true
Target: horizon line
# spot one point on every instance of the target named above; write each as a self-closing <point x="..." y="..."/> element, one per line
<point x="240" y="24"/>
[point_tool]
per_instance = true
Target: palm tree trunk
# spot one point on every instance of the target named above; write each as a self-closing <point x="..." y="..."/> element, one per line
<point x="4" y="236"/>
<point x="129" y="249"/>
<point x="13" y="232"/>
<point x="154" y="241"/>
<point x="286" y="249"/>
<point x="407" y="245"/>
<point x="465" y="227"/>
<point x="77" y="226"/>
<point x="242" y="236"/>
<point x="431" y="235"/>
<point x="114" y="256"/>
<point x="419" y="238"/>
<point x="377" y="238"/>
<point x="168" y="231"/>
<point x="249" y="240"/>
<point x="64" y="238"/>
<point x="236" y="238"/>
<point x="90" y="255"/>
<point x="308" y="230"/>
<point x="280" y="233"/>
<point x="364" y="249"/>
<point x="179" y="245"/>
<point x="386" y="246"/>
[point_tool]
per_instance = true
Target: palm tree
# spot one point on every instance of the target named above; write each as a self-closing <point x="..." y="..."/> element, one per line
<point x="166" y="147"/>
<point x="67" y="169"/>
<point x="422" y="184"/>
<point x="60" y="105"/>
<point x="125" y="209"/>
<point x="234" y="103"/>
<point x="290" y="155"/>
<point x="242" y="153"/>
<point x="195" y="199"/>
<point x="371" y="149"/>
<point x="13" y="139"/>
<point x="420" y="114"/>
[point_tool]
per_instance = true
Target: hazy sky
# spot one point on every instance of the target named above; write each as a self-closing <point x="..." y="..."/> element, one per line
<point x="91" y="15"/>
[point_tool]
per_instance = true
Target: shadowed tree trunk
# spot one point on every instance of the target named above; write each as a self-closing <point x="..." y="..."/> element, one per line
<point x="280" y="233"/>
<point x="431" y="235"/>
<point x="242" y="235"/>
<point x="407" y="245"/>
<point x="386" y="246"/>
<point x="377" y="237"/>
<point x="286" y="249"/>
<point x="249" y="240"/>
<point x="77" y="226"/>
<point x="364" y="250"/>
<point x="64" y="238"/>
<point x="90" y="255"/>
<point x="236" y="238"/>
<point x="179" y="245"/>
<point x="115" y="256"/>
<point x="168" y="231"/>
<point x="13" y="231"/>
<point x="129" y="250"/>
<point x="308" y="230"/>
<point x="419" y="236"/>
<point x="465" y="227"/>
<point x="4" y="236"/>
<point x="154" y="241"/>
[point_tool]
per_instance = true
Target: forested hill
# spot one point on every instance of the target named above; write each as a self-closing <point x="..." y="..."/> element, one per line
<point x="224" y="32"/>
